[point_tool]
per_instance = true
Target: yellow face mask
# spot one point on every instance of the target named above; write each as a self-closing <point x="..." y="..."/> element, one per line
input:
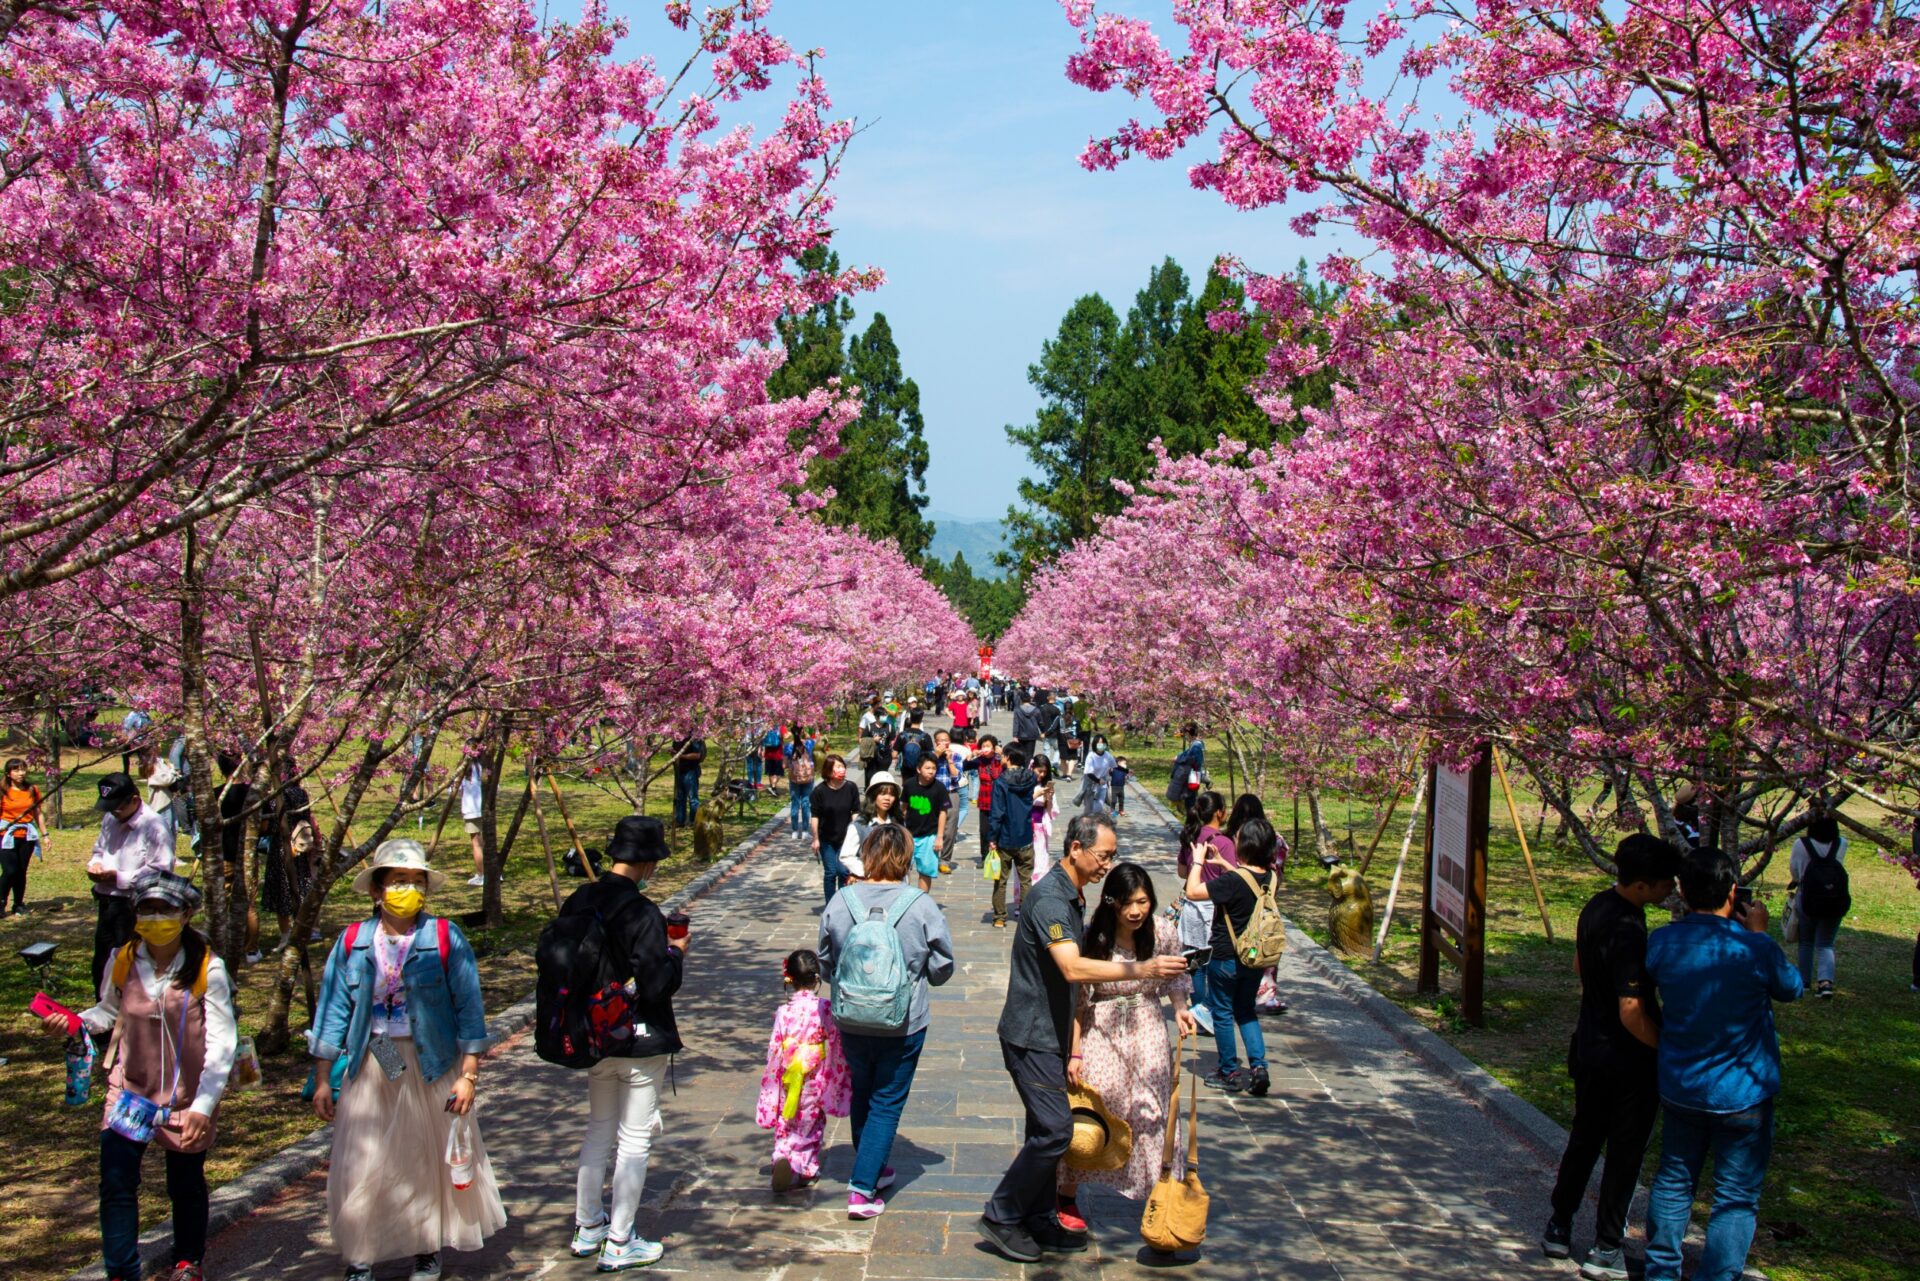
<point x="405" y="900"/>
<point x="160" y="931"/>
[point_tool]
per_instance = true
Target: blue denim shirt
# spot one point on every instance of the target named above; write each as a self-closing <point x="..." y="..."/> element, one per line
<point x="1718" y="981"/>
<point x="1010" y="809"/>
<point x="443" y="1002"/>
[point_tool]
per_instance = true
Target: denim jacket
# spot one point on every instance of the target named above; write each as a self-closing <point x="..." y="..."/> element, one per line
<point x="443" y="1002"/>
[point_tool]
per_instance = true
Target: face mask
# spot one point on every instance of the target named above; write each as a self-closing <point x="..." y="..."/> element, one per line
<point x="406" y="900"/>
<point x="160" y="931"/>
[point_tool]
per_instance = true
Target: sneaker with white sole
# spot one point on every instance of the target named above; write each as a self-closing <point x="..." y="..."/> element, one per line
<point x="588" y="1238"/>
<point x="1604" y="1265"/>
<point x="476" y="880"/>
<point x="885" y="1180"/>
<point x="635" y="1252"/>
<point x="426" y="1267"/>
<point x="862" y="1206"/>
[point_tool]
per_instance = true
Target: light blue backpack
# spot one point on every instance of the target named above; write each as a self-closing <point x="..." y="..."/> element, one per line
<point x="872" y="988"/>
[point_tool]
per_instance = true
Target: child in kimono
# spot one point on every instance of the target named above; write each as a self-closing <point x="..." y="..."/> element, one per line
<point x="806" y="1078"/>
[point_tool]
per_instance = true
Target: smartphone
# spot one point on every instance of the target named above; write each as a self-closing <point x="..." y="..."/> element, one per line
<point x="1197" y="958"/>
<point x="44" y="1005"/>
<point x="1743" y="898"/>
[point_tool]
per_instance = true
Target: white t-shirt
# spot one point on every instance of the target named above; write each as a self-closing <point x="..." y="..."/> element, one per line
<point x="473" y="801"/>
<point x="389" y="1013"/>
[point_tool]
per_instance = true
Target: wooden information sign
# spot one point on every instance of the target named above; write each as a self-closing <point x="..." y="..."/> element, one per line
<point x="1454" y="921"/>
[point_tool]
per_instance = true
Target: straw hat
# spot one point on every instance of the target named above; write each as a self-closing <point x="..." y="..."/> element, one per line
<point x="402" y="854"/>
<point x="1101" y="1140"/>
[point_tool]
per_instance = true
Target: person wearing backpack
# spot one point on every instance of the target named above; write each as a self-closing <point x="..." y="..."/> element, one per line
<point x="168" y="1002"/>
<point x="799" y="766"/>
<point x="1249" y="936"/>
<point x="608" y="974"/>
<point x="1821" y="898"/>
<point x="883" y="944"/>
<point x="400" y="1003"/>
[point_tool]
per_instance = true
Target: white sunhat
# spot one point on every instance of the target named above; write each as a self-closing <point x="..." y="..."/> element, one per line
<point x="400" y="854"/>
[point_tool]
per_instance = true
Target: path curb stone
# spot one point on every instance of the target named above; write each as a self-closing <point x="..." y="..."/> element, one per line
<point x="1525" y="1121"/>
<point x="234" y="1201"/>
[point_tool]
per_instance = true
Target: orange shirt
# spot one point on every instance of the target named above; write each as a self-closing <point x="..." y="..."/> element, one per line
<point x="19" y="805"/>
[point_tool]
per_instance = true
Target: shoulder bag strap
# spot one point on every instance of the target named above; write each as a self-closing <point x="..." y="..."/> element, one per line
<point x="1193" y="1129"/>
<point x="1233" y="935"/>
<point x="1173" y="1111"/>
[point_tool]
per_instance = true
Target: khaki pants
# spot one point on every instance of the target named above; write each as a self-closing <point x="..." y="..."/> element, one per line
<point x="1018" y="862"/>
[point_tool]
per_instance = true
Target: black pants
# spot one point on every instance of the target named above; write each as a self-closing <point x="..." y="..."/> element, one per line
<point x="1026" y="1192"/>
<point x="111" y="929"/>
<point x="1613" y="1108"/>
<point x="13" y="874"/>
<point x="120" y="1205"/>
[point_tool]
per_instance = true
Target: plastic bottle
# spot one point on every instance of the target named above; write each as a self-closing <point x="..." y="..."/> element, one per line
<point x="460" y="1153"/>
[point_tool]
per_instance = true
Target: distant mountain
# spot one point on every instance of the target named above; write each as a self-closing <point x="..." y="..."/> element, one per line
<point x="977" y="539"/>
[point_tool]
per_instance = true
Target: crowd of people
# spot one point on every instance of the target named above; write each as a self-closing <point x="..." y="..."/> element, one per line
<point x="1677" y="1023"/>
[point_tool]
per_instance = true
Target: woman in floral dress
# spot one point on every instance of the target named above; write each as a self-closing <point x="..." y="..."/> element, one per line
<point x="1120" y="1034"/>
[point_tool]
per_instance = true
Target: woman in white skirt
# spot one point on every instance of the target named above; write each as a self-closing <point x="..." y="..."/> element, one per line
<point x="400" y="1004"/>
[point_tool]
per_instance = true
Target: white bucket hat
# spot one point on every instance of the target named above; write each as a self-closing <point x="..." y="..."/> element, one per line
<point x="403" y="854"/>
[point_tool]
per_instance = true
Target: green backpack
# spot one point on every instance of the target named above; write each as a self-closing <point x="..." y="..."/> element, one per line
<point x="1265" y="940"/>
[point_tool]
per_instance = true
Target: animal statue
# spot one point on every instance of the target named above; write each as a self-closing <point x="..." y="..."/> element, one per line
<point x="709" y="832"/>
<point x="1350" y="918"/>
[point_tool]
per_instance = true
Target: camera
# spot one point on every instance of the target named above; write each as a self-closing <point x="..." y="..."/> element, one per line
<point x="1197" y="957"/>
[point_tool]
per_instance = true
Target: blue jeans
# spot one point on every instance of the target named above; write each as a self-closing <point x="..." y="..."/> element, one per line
<point x="799" y="808"/>
<point x="881" y="1069"/>
<point x="1231" y="988"/>
<point x="120" y="1205"/>
<point x="1740" y="1142"/>
<point x="686" y="794"/>
<point x="754" y="766"/>
<point x="833" y="871"/>
<point x="1816" y="950"/>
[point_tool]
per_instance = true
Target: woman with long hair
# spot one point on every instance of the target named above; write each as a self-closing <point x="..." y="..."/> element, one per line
<point x="19" y="835"/>
<point x="1199" y="838"/>
<point x="1120" y="1034"/>
<point x="1043" y="814"/>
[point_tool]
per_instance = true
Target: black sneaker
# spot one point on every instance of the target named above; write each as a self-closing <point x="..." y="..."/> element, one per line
<point x="1233" y="1082"/>
<point x="426" y="1267"/>
<point x="1825" y="989"/>
<point x="1556" y="1241"/>
<point x="1054" y="1239"/>
<point x="359" y="1272"/>
<point x="1259" y="1083"/>
<point x="1009" y="1240"/>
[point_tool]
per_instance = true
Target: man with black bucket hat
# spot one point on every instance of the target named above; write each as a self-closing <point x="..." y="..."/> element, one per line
<point x="133" y="839"/>
<point x="623" y="1087"/>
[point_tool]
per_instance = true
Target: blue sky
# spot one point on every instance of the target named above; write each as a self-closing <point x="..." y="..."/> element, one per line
<point x="965" y="189"/>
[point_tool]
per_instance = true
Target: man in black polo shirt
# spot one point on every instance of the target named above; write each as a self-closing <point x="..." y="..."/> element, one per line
<point x="1036" y="1030"/>
<point x="1614" y="1062"/>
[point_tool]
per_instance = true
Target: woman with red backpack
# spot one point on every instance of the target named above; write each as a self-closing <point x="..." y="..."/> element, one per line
<point x="400" y="1003"/>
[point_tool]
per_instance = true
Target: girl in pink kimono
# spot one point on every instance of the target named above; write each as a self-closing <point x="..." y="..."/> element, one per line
<point x="806" y="1078"/>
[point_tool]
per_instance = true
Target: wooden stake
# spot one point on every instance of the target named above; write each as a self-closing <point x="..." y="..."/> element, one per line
<point x="1514" y="812"/>
<point x="1366" y="860"/>
<point x="540" y="822"/>
<point x="1400" y="865"/>
<point x="578" y="849"/>
<point x="453" y="794"/>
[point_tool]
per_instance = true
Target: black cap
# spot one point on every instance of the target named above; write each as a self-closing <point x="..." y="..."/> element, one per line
<point x="115" y="790"/>
<point x="637" y="839"/>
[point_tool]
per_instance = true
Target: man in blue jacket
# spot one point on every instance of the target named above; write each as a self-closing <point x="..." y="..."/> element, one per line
<point x="1009" y="828"/>
<point x="1718" y="974"/>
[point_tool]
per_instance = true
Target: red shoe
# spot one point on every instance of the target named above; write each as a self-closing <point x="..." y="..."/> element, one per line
<point x="1069" y="1212"/>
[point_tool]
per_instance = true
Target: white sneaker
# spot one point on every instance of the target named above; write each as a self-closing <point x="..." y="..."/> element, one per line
<point x="254" y="958"/>
<point x="635" y="1252"/>
<point x="588" y="1239"/>
<point x="477" y="879"/>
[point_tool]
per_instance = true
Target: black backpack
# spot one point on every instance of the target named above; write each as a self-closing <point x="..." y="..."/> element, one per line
<point x="1824" y="895"/>
<point x="582" y="1010"/>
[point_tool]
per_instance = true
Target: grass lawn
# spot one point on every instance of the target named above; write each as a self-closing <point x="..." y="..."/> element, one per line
<point x="1842" y="1198"/>
<point x="49" y="1174"/>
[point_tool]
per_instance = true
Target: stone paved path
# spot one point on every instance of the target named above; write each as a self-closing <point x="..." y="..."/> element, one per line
<point x="1360" y="1165"/>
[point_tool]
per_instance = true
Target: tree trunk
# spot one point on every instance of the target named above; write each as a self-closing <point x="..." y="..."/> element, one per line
<point x="1324" y="840"/>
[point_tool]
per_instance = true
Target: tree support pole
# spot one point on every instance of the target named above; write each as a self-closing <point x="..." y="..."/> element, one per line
<point x="1513" y="811"/>
<point x="1400" y="865"/>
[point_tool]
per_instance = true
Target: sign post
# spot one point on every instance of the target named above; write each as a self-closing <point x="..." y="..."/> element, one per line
<point x="1453" y="923"/>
